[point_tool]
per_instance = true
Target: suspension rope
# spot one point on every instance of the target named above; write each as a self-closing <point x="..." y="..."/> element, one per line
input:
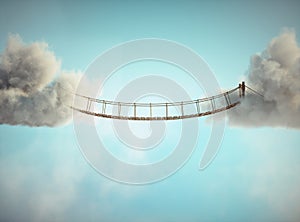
<point x="254" y="91"/>
<point x="189" y="102"/>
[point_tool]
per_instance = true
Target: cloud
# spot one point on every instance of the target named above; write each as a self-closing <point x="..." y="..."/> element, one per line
<point x="40" y="187"/>
<point x="55" y="184"/>
<point x="271" y="172"/>
<point x="30" y="92"/>
<point x="275" y="73"/>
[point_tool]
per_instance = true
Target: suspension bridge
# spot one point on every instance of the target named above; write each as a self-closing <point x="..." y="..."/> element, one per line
<point x="162" y="110"/>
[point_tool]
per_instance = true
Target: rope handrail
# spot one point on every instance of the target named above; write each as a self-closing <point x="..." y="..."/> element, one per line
<point x="110" y="102"/>
<point x="254" y="91"/>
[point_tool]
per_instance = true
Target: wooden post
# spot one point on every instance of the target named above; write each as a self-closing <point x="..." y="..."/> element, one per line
<point x="243" y="89"/>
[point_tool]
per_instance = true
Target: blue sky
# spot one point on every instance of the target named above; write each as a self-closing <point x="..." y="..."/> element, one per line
<point x="255" y="176"/>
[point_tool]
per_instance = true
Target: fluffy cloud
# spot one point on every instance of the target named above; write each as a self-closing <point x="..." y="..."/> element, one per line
<point x="275" y="73"/>
<point x="30" y="92"/>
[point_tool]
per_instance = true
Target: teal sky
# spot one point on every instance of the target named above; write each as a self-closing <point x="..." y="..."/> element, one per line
<point x="255" y="176"/>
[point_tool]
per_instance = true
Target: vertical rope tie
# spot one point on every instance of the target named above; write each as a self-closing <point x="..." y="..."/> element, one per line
<point x="88" y="104"/>
<point x="103" y="106"/>
<point x="134" y="107"/>
<point x="198" y="106"/>
<point x="119" y="109"/>
<point x="166" y="110"/>
<point x="212" y="104"/>
<point x="227" y="99"/>
<point x="182" y="112"/>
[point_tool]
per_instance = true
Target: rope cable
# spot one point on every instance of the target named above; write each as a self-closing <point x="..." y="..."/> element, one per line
<point x="254" y="91"/>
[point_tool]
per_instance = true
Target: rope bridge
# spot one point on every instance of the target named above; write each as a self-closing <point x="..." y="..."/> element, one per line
<point x="163" y="111"/>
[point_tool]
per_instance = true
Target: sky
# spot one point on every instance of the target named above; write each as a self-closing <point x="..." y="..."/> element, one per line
<point x="255" y="175"/>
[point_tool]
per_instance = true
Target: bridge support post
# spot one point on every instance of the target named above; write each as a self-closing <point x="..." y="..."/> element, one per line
<point x="243" y="89"/>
